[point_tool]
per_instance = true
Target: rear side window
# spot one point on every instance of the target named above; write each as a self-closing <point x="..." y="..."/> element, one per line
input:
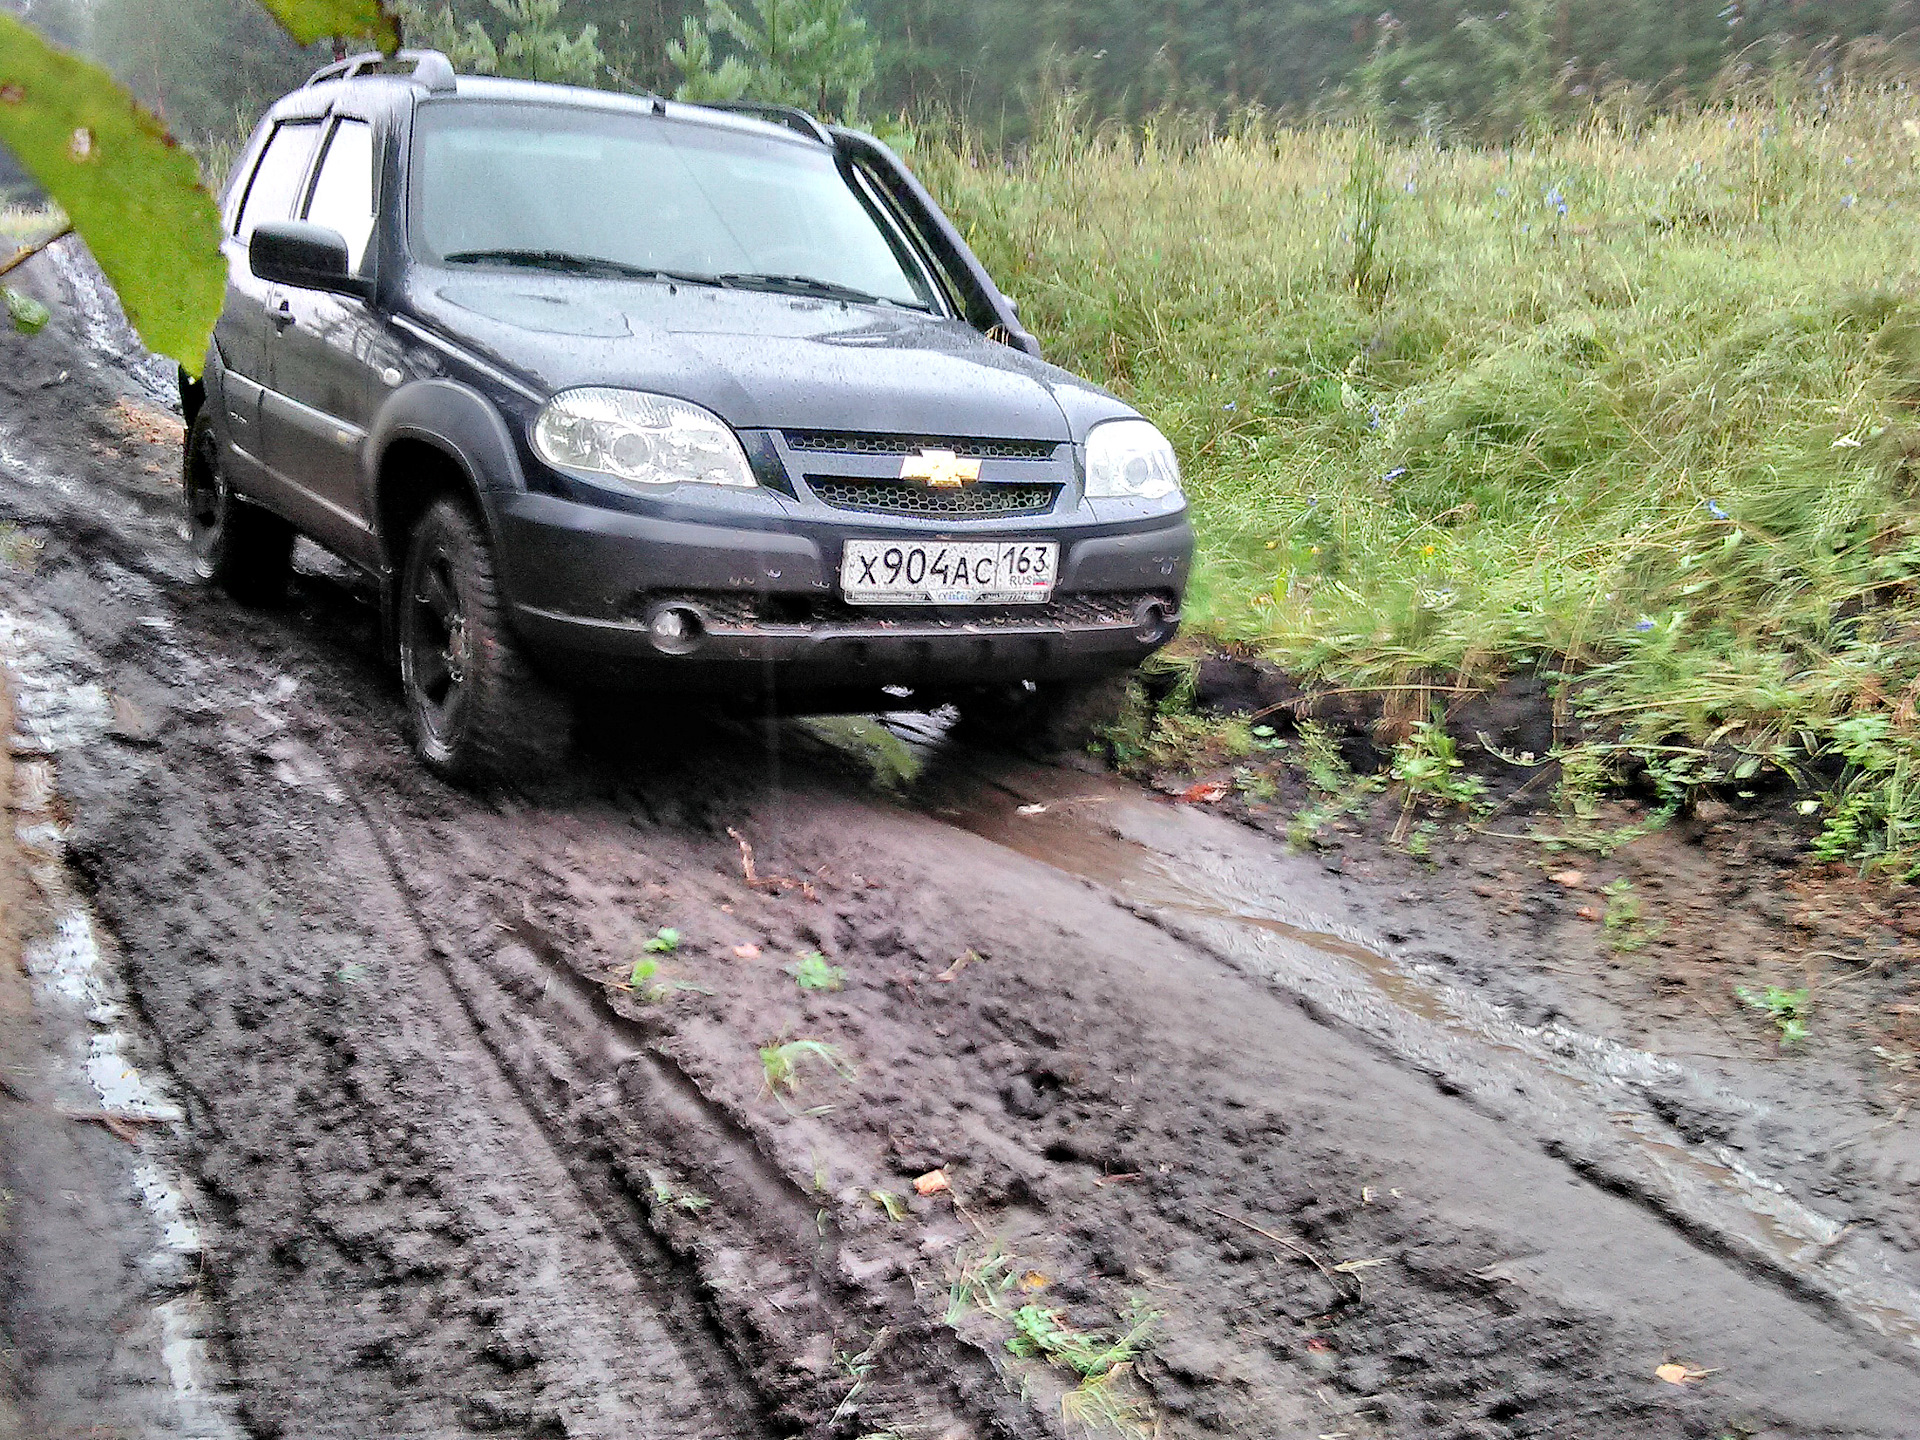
<point x="343" y="193"/>
<point x="276" y="179"/>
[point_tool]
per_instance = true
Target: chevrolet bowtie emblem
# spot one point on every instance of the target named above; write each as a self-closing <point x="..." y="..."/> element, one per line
<point x="942" y="469"/>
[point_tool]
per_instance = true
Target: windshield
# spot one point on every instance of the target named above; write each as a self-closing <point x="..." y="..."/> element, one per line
<point x="611" y="193"/>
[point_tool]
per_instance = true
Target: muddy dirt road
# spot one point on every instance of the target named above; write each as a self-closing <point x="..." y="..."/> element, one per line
<point x="441" y="1160"/>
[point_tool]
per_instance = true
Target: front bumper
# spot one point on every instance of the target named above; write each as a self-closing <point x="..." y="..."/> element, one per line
<point x="584" y="584"/>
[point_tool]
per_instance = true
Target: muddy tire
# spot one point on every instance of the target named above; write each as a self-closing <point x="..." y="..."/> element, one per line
<point x="1053" y="718"/>
<point x="475" y="708"/>
<point x="243" y="549"/>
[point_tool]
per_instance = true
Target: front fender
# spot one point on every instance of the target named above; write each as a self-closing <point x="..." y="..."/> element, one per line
<point x="456" y="419"/>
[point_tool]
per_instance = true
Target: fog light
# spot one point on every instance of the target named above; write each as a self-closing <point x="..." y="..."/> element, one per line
<point x="675" y="629"/>
<point x="1150" y="623"/>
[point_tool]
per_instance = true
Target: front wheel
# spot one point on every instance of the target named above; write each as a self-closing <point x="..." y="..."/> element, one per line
<point x="474" y="705"/>
<point x="241" y="548"/>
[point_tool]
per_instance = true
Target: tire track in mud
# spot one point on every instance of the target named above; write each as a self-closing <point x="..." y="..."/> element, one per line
<point x="1201" y="881"/>
<point x="640" y="1132"/>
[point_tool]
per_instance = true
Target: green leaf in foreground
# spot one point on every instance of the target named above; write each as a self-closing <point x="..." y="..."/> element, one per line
<point x="28" y="313"/>
<point x="311" y="20"/>
<point x="132" y="193"/>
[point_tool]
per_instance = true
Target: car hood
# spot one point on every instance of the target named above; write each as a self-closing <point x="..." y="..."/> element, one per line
<point x="759" y="360"/>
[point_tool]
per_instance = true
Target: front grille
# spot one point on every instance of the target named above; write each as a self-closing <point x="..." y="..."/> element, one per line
<point x="854" y="442"/>
<point x="899" y="497"/>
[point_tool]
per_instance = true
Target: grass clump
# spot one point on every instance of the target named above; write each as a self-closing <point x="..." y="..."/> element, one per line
<point x="1633" y="405"/>
<point x="1625" y="928"/>
<point x="1042" y="1332"/>
<point x="781" y="1062"/>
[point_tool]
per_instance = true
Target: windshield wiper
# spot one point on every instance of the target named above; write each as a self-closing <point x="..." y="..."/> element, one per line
<point x="807" y="285"/>
<point x="567" y="263"/>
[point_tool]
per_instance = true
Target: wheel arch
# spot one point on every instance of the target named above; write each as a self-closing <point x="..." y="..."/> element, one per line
<point x="432" y="437"/>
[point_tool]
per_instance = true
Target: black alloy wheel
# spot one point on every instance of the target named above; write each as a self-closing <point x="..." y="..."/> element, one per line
<point x="237" y="546"/>
<point x="474" y="705"/>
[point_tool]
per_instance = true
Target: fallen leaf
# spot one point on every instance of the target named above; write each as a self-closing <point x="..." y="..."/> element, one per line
<point x="1034" y="1280"/>
<point x="1587" y="912"/>
<point x="1205" y="793"/>
<point x="1675" y="1374"/>
<point x="934" y="1182"/>
<point x="746" y="952"/>
<point x="1350" y="1267"/>
<point x="1572" y="879"/>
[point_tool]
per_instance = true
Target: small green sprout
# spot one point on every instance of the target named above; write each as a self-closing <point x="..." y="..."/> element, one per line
<point x="891" y="1203"/>
<point x="812" y="972"/>
<point x="665" y="941"/>
<point x="664" y="1195"/>
<point x="1786" y="1008"/>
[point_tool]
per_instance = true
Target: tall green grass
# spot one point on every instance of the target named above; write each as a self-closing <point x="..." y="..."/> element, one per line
<point x="1633" y="405"/>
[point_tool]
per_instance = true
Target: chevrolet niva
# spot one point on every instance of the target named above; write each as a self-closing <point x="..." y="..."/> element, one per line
<point x="607" y="393"/>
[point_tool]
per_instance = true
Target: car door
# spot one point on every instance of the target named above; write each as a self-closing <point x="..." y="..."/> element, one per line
<point x="329" y="354"/>
<point x="269" y="192"/>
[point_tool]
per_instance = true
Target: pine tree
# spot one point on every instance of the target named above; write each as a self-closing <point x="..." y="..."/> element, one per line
<point x="535" y="45"/>
<point x="789" y="52"/>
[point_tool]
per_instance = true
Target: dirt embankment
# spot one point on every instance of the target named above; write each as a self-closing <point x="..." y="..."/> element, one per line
<point x="476" y="1159"/>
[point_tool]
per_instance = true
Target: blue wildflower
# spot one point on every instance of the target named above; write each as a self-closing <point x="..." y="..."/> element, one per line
<point x="1643" y="626"/>
<point x="1502" y="191"/>
<point x="1713" y="509"/>
<point x="1230" y="407"/>
<point x="1395" y="473"/>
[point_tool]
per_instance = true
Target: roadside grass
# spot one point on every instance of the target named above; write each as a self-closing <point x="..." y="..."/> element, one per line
<point x="1630" y="406"/>
<point x="22" y="225"/>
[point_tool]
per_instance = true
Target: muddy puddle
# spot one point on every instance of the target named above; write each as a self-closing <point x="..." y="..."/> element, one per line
<point x="1596" y="1103"/>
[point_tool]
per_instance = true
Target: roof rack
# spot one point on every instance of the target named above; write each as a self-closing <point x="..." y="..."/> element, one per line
<point x="430" y="68"/>
<point x="791" y="116"/>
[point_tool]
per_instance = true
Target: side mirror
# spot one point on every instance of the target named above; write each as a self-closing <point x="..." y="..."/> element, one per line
<point x="308" y="257"/>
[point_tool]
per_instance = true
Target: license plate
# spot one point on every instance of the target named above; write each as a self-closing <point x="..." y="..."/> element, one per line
<point x="896" y="572"/>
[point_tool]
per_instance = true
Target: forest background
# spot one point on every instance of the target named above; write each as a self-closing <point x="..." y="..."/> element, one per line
<point x="209" y="66"/>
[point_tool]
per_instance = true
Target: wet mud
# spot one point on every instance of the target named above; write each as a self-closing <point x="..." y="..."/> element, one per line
<point x="471" y="1158"/>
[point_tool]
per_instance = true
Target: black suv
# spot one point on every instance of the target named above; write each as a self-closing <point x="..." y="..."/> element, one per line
<point x="620" y="394"/>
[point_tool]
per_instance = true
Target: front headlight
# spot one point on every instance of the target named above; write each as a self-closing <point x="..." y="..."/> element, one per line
<point x="640" y="439"/>
<point x="1131" y="459"/>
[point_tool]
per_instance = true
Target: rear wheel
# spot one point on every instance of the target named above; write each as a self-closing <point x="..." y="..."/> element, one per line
<point x="237" y="546"/>
<point x="474" y="705"/>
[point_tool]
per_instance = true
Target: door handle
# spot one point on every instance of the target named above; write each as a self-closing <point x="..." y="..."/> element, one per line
<point x="281" y="315"/>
